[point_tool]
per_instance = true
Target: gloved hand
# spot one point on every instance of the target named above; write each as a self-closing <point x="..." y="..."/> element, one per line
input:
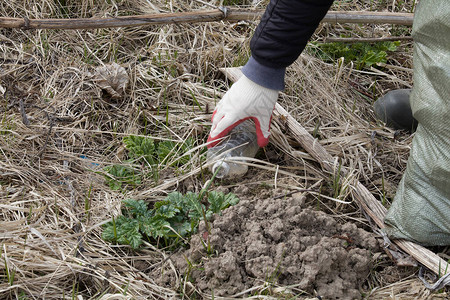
<point x="244" y="100"/>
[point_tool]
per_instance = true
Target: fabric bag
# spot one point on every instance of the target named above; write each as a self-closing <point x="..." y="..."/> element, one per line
<point x="421" y="208"/>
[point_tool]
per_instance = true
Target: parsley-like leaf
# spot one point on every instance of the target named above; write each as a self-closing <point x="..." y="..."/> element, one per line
<point x="174" y="217"/>
<point x="218" y="201"/>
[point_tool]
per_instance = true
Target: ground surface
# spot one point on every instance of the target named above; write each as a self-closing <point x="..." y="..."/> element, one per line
<point x="268" y="241"/>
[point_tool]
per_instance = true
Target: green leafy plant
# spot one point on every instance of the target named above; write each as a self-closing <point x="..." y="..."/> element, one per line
<point x="235" y="2"/>
<point x="168" y="149"/>
<point x="140" y="148"/>
<point x="152" y="152"/>
<point x="150" y="155"/>
<point x="119" y="175"/>
<point x="364" y="55"/>
<point x="169" y="223"/>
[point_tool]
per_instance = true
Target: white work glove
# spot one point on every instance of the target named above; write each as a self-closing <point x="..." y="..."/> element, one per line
<point x="244" y="100"/>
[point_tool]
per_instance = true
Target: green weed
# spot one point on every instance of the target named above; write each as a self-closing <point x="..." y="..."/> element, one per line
<point x="242" y="57"/>
<point x="235" y="2"/>
<point x="75" y="290"/>
<point x="119" y="176"/>
<point x="22" y="296"/>
<point x="364" y="55"/>
<point x="45" y="45"/>
<point x="166" y="62"/>
<point x="383" y="191"/>
<point x="150" y="155"/>
<point x="10" y="273"/>
<point x="271" y="279"/>
<point x="336" y="182"/>
<point x="87" y="203"/>
<point x="7" y="124"/>
<point x="169" y="223"/>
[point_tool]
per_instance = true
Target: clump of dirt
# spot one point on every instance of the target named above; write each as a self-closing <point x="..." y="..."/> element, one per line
<point x="276" y="240"/>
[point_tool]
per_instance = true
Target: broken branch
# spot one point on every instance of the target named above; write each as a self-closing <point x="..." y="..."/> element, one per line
<point x="228" y="14"/>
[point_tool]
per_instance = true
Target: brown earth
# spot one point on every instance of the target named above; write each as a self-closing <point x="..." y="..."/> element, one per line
<point x="279" y="241"/>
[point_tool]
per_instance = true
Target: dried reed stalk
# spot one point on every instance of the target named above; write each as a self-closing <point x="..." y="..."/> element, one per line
<point x="365" y="199"/>
<point x="228" y="14"/>
<point x="368" y="40"/>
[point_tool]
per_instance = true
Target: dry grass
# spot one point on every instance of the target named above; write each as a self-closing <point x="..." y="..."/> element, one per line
<point x="58" y="131"/>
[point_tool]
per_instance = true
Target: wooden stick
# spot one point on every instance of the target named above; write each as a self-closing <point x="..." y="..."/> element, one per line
<point x="228" y="14"/>
<point x="335" y="17"/>
<point x="365" y="199"/>
<point x="368" y="40"/>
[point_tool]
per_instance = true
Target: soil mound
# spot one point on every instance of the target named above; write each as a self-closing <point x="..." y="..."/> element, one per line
<point x="278" y="241"/>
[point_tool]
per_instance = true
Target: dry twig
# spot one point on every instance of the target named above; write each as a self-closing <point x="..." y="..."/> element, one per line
<point x="226" y="14"/>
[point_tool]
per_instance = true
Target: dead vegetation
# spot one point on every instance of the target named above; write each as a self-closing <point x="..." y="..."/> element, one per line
<point x="60" y="127"/>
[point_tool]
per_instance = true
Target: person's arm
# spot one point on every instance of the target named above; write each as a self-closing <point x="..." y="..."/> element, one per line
<point x="280" y="37"/>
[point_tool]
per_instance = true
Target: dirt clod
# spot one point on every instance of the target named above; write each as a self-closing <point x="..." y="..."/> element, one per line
<point x="277" y="241"/>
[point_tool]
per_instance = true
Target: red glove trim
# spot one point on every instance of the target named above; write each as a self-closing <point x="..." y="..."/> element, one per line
<point x="262" y="141"/>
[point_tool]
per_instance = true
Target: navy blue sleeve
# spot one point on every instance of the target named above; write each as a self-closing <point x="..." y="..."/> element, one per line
<point x="285" y="29"/>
